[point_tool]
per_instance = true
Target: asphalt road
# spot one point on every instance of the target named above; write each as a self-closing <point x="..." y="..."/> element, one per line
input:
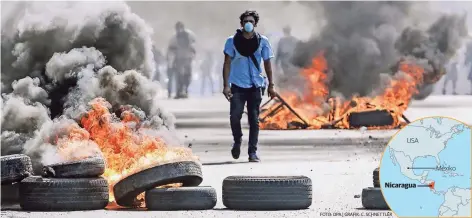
<point x="338" y="172"/>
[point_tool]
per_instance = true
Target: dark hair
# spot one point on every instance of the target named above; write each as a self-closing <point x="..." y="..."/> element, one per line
<point x="179" y="24"/>
<point x="248" y="13"/>
<point x="287" y="29"/>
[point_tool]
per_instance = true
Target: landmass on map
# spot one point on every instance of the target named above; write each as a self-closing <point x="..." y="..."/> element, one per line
<point x="424" y="156"/>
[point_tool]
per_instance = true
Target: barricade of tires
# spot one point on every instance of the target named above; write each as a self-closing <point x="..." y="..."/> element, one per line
<point x="14" y="168"/>
<point x="188" y="197"/>
<point x="239" y="192"/>
<point x="77" y="185"/>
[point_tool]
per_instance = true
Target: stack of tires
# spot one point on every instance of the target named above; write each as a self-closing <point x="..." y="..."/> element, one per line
<point x="372" y="197"/>
<point x="66" y="186"/>
<point x="376" y="178"/>
<point x="14" y="168"/>
<point x="188" y="197"/>
<point x="267" y="192"/>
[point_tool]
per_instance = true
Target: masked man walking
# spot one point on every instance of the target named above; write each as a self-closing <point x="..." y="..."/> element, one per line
<point x="243" y="80"/>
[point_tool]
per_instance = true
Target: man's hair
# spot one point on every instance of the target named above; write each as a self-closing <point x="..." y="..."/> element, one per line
<point x="179" y="24"/>
<point x="248" y="13"/>
<point x="287" y="29"/>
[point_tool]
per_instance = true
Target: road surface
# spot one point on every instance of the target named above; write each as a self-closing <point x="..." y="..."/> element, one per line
<point x="339" y="171"/>
<point x="338" y="174"/>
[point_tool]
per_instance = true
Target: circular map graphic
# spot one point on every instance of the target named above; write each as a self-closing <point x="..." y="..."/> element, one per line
<point x="425" y="169"/>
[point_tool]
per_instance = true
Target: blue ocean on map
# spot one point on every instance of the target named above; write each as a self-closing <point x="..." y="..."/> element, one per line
<point x="456" y="154"/>
<point x="423" y="162"/>
<point x="407" y="202"/>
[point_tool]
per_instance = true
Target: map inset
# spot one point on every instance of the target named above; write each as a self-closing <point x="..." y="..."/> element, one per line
<point x="425" y="170"/>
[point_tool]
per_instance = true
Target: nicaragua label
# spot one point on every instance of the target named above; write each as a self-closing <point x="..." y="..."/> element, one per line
<point x="400" y="185"/>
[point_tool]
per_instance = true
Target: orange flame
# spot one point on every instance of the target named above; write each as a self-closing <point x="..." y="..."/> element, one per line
<point x="319" y="110"/>
<point x="127" y="146"/>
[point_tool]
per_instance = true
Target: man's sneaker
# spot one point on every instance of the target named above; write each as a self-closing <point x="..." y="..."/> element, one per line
<point x="253" y="158"/>
<point x="236" y="150"/>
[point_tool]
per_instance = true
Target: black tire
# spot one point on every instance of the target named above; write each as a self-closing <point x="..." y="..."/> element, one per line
<point x="64" y="194"/>
<point x="10" y="193"/>
<point x="183" y="198"/>
<point x="189" y="173"/>
<point x="15" y="168"/>
<point x="376" y="184"/>
<point x="267" y="193"/>
<point x="90" y="167"/>
<point x="376" y="178"/>
<point x="372" y="198"/>
<point x="376" y="172"/>
<point x="370" y="118"/>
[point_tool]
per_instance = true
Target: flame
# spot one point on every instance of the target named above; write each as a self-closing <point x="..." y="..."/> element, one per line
<point x="127" y="146"/>
<point x="318" y="109"/>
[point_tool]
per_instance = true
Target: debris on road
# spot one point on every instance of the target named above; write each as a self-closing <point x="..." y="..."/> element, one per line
<point x="372" y="198"/>
<point x="63" y="194"/>
<point x="183" y="198"/>
<point x="85" y="168"/>
<point x="15" y="168"/>
<point x="267" y="192"/>
<point x="281" y="104"/>
<point x="188" y="173"/>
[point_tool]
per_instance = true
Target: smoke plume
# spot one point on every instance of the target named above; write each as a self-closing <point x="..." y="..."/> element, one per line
<point x="365" y="40"/>
<point x="56" y="57"/>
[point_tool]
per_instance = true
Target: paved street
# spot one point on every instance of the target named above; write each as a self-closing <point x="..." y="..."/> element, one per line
<point x="338" y="171"/>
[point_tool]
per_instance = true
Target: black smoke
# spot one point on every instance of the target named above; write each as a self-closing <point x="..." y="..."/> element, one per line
<point x="364" y="40"/>
<point x="56" y="57"/>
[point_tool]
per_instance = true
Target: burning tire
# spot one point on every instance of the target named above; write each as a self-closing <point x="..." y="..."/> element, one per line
<point x="376" y="178"/>
<point x="267" y="193"/>
<point x="65" y="194"/>
<point x="372" y="198"/>
<point x="370" y="118"/>
<point x="90" y="167"/>
<point x="184" y="198"/>
<point x="15" y="168"/>
<point x="189" y="173"/>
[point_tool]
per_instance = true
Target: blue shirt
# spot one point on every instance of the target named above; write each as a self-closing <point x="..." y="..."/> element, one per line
<point x="243" y="72"/>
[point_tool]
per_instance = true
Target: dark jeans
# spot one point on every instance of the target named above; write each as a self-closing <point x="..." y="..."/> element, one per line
<point x="181" y="73"/>
<point x="241" y="96"/>
<point x="184" y="76"/>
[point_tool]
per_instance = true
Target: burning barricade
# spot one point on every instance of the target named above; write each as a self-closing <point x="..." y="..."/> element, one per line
<point x="129" y="159"/>
<point x="79" y="104"/>
<point x="383" y="111"/>
<point x="353" y="86"/>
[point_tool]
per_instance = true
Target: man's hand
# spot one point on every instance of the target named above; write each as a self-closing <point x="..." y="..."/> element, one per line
<point x="271" y="91"/>
<point x="227" y="93"/>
